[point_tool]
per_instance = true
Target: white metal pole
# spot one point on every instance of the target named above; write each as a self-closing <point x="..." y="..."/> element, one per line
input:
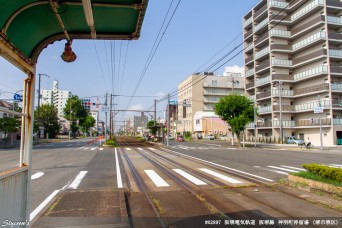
<point x="168" y="120"/>
<point x="320" y="123"/>
<point x="255" y="122"/>
<point x="280" y="110"/>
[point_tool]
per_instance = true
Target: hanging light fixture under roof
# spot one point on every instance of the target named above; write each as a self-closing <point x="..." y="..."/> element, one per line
<point x="68" y="55"/>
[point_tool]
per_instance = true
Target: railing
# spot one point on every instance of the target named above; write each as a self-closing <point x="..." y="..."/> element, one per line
<point x="336" y="70"/>
<point x="285" y="123"/>
<point x="249" y="72"/>
<point x="334" y="3"/>
<point x="311" y="105"/>
<point x="279" y="4"/>
<point x="307" y="25"/>
<point x="249" y="59"/>
<point x="247" y="22"/>
<point x="281" y="62"/>
<point x="263" y="80"/>
<point x="335" y="53"/>
<point x="247" y="34"/>
<point x="315" y="122"/>
<point x="284" y="108"/>
<point x="282" y="77"/>
<point x="262" y="52"/>
<point x="315" y="71"/>
<point x="337" y="121"/>
<point x="309" y="40"/>
<point x="284" y="92"/>
<point x="263" y="95"/>
<point x="225" y="93"/>
<point x="249" y="85"/>
<point x="260" y="11"/>
<point x="334" y="36"/>
<point x="311" y="89"/>
<point x="281" y="33"/>
<point x="303" y="11"/>
<point x="282" y="47"/>
<point x="334" y="20"/>
<point x="249" y="47"/>
<point x="261" y="24"/>
<point x="309" y="56"/>
<point x="265" y="109"/>
<point x="261" y="38"/>
<point x="336" y="87"/>
<point x="262" y="66"/>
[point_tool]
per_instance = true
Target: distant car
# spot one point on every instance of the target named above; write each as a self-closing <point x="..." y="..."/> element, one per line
<point x="171" y="137"/>
<point x="180" y="138"/>
<point x="294" y="140"/>
<point x="210" y="136"/>
<point x="223" y="137"/>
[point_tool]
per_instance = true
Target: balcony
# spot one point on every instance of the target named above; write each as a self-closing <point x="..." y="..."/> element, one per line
<point x="247" y="22"/>
<point x="283" y="77"/>
<point x="260" y="12"/>
<point x="311" y="73"/>
<point x="306" y="10"/>
<point x="263" y="81"/>
<point x="261" y="40"/>
<point x="263" y="95"/>
<point x="335" y="53"/>
<point x="251" y="97"/>
<point x="281" y="48"/>
<point x="335" y="36"/>
<point x="261" y="25"/>
<point x="285" y="123"/>
<point x="284" y="92"/>
<point x="221" y="85"/>
<point x="307" y="26"/>
<point x="284" y="108"/>
<point x="262" y="53"/>
<point x="249" y="59"/>
<point x="225" y="93"/>
<point x="337" y="121"/>
<point x="309" y="57"/>
<point x="335" y="4"/>
<point x="214" y="101"/>
<point x="312" y="89"/>
<point x="335" y="70"/>
<point x="249" y="85"/>
<point x="248" y="34"/>
<point x="249" y="47"/>
<point x="336" y="87"/>
<point x="281" y="62"/>
<point x="263" y="66"/>
<point x="249" y="72"/>
<point x="280" y="33"/>
<point x="309" y="40"/>
<point x="280" y="18"/>
<point x="307" y="123"/>
<point x="311" y="105"/>
<point x="265" y="109"/>
<point x="334" y="20"/>
<point x="278" y="4"/>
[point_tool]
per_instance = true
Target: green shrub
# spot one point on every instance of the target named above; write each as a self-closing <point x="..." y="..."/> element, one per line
<point x="325" y="171"/>
<point x="111" y="142"/>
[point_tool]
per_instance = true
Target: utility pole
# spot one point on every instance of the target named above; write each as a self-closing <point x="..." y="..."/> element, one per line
<point x="106" y="117"/>
<point x="70" y="120"/>
<point x="110" y="116"/>
<point x="280" y="110"/>
<point x="38" y="110"/>
<point x="255" y="121"/>
<point x="320" y="122"/>
<point x="168" y="120"/>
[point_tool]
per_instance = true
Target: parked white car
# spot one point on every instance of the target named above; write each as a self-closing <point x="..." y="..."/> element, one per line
<point x="210" y="137"/>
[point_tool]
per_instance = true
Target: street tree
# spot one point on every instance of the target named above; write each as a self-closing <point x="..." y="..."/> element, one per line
<point x="237" y="111"/>
<point x="48" y="119"/>
<point x="152" y="125"/>
<point x="74" y="111"/>
<point x="88" y="123"/>
<point x="8" y="125"/>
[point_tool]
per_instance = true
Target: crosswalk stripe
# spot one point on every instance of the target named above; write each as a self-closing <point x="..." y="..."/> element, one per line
<point x="284" y="169"/>
<point x="223" y="177"/>
<point x="191" y="178"/>
<point x="300" y="169"/>
<point x="140" y="149"/>
<point x="93" y="148"/>
<point x="37" y="175"/>
<point x="101" y="148"/>
<point x="272" y="170"/>
<point x="86" y="148"/>
<point x="128" y="148"/>
<point x="157" y="180"/>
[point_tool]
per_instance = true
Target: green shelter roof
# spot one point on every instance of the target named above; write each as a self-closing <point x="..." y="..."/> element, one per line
<point x="30" y="25"/>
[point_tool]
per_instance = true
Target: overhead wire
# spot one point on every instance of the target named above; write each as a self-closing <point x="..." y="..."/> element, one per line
<point x="98" y="59"/>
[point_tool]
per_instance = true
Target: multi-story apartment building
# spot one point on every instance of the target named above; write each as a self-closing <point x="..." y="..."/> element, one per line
<point x="200" y="92"/>
<point x="293" y="64"/>
<point x="56" y="97"/>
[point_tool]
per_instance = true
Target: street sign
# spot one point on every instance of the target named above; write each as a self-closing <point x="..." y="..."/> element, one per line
<point x="318" y="110"/>
<point x="105" y="109"/>
<point x="261" y="121"/>
<point x="17" y="97"/>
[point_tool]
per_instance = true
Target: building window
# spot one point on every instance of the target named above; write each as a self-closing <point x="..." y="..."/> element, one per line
<point x="214" y="83"/>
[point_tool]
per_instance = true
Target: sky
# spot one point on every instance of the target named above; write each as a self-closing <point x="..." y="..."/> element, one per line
<point x="198" y="30"/>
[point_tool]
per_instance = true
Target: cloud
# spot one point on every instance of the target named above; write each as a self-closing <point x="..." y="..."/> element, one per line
<point x="161" y="94"/>
<point x="233" y="69"/>
<point x="137" y="107"/>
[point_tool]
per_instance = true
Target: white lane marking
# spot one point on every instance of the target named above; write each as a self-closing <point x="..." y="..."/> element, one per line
<point x="93" y="148"/>
<point x="284" y="169"/>
<point x="151" y="148"/>
<point x="78" y="180"/>
<point x="157" y="180"/>
<point x="86" y="148"/>
<point x="225" y="167"/>
<point x="44" y="203"/>
<point x="221" y="176"/>
<point x="191" y="178"/>
<point x="118" y="172"/>
<point x="272" y="170"/>
<point x="140" y="149"/>
<point x="37" y="175"/>
<point x="300" y="169"/>
<point x="183" y="147"/>
<point x="211" y="144"/>
<point x="101" y="148"/>
<point x="128" y="148"/>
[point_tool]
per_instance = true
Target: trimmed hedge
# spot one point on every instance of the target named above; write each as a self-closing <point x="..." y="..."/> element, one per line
<point x="325" y="171"/>
<point x="111" y="142"/>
